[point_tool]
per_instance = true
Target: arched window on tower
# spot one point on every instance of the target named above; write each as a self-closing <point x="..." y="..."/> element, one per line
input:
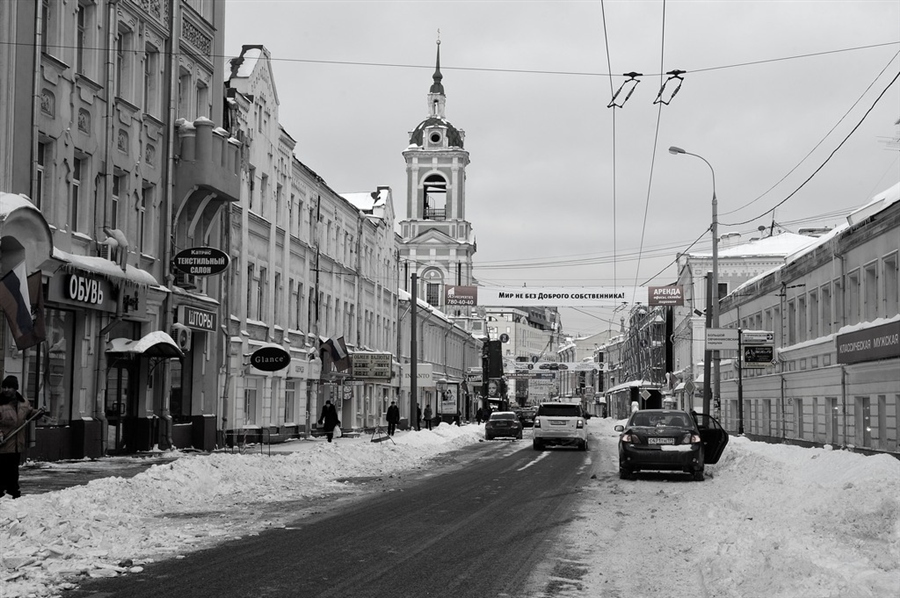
<point x="434" y="196"/>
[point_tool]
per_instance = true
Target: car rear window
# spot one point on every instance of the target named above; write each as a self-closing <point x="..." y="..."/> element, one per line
<point x="503" y="416"/>
<point x="560" y="410"/>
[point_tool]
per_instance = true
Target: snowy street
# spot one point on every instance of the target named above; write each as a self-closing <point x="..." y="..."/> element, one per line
<point x="769" y="520"/>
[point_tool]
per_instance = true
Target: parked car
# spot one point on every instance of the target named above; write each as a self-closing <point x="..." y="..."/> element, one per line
<point x="669" y="440"/>
<point x="503" y="423"/>
<point x="558" y="423"/>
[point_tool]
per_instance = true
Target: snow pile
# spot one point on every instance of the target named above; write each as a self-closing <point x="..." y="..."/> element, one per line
<point x="113" y="525"/>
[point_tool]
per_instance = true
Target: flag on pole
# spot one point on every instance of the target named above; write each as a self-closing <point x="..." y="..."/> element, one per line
<point x="16" y="303"/>
<point x="337" y="349"/>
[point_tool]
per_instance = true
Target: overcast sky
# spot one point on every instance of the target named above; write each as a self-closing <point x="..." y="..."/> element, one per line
<point x="561" y="189"/>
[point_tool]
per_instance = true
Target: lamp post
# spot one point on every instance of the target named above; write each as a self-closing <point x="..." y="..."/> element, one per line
<point x="714" y="229"/>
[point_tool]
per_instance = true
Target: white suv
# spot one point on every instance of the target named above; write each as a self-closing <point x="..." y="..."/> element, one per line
<point x="560" y="423"/>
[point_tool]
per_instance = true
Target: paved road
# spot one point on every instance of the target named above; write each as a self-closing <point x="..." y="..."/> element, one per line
<point x="485" y="524"/>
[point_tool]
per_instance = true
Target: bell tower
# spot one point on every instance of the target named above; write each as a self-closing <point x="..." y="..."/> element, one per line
<point x="437" y="242"/>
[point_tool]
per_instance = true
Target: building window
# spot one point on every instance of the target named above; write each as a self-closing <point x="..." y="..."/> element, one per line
<point x="433" y="293"/>
<point x="853" y="299"/>
<point x="55" y="358"/>
<point x="434" y="196"/>
<point x="871" y="292"/>
<point x="801" y="318"/>
<point x="814" y="314"/>
<point x="118" y="188"/>
<point x="80" y="37"/>
<point x="276" y="316"/>
<point x="250" y="406"/>
<point x="791" y="322"/>
<point x="46" y="20"/>
<point x="39" y="186"/>
<point x="827" y="316"/>
<point x="249" y="297"/>
<point x="151" y="80"/>
<point x="290" y="397"/>
<point x="146" y="200"/>
<point x="202" y="100"/>
<point x="75" y="194"/>
<point x="261" y="295"/>
<point x="184" y="94"/>
<point x="124" y="63"/>
<point x="890" y="286"/>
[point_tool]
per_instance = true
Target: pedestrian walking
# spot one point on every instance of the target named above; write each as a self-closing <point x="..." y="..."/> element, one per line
<point x="329" y="420"/>
<point x="418" y="417"/>
<point x="428" y="416"/>
<point x="15" y="412"/>
<point x="393" y="418"/>
<point x="479" y="415"/>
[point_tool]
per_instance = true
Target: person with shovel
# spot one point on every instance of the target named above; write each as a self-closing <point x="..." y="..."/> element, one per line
<point x="15" y="414"/>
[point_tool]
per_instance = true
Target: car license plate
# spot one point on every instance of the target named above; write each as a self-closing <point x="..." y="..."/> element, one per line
<point x="557" y="422"/>
<point x="660" y="441"/>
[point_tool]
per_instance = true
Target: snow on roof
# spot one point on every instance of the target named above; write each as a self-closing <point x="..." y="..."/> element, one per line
<point x="13" y="201"/>
<point x="104" y="266"/>
<point x="880" y="202"/>
<point x="364" y="201"/>
<point x="773" y="246"/>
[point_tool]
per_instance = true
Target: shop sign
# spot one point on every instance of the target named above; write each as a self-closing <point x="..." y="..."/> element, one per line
<point x="372" y="365"/>
<point x="82" y="289"/>
<point x="270" y="358"/>
<point x="673" y="295"/>
<point x="201" y="261"/>
<point x="198" y="319"/>
<point x="869" y="344"/>
<point x="424" y="375"/>
<point x="461" y="296"/>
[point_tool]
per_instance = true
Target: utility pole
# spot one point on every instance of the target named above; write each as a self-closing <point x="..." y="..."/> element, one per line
<point x="413" y="352"/>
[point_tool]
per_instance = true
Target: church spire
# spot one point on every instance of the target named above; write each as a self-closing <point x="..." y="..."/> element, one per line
<point x="436" y="98"/>
<point x="437" y="87"/>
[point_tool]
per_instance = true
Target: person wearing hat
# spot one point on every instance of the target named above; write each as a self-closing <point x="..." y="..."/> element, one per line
<point x="393" y="418"/>
<point x="15" y="412"/>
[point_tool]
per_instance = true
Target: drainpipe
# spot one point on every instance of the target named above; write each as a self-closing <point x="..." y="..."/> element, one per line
<point x="167" y="235"/>
<point x="98" y="409"/>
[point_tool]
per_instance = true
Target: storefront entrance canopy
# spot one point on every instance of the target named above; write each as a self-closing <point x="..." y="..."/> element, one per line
<point x="155" y="344"/>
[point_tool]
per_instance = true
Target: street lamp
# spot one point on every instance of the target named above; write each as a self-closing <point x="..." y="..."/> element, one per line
<point x="715" y="267"/>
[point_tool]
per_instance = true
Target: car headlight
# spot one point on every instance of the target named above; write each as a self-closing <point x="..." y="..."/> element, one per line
<point x="629" y="438"/>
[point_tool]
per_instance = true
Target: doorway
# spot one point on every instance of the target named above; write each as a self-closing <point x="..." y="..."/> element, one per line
<point x="120" y="404"/>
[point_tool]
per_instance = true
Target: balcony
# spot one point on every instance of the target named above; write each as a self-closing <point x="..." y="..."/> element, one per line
<point x="207" y="175"/>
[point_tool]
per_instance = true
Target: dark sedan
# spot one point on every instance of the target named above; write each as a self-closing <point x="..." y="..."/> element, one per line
<point x="526" y="416"/>
<point x="669" y="440"/>
<point x="503" y="423"/>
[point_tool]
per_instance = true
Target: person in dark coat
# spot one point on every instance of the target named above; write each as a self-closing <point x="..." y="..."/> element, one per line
<point x="393" y="418"/>
<point x="15" y="411"/>
<point x="428" y="416"/>
<point x="329" y="419"/>
<point x="418" y="417"/>
<point x="479" y="415"/>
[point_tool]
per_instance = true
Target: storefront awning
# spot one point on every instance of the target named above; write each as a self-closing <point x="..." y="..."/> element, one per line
<point x="24" y="234"/>
<point x="155" y="344"/>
